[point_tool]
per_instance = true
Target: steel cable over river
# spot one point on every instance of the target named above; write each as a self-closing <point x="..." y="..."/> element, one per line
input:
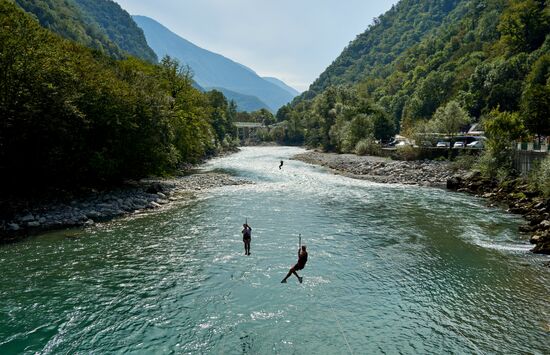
<point x="391" y="269"/>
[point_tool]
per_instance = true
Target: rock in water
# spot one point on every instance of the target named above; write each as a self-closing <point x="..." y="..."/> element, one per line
<point x="454" y="182"/>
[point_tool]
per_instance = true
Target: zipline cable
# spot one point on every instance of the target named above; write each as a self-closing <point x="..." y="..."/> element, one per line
<point x="337" y="321"/>
<point x="330" y="305"/>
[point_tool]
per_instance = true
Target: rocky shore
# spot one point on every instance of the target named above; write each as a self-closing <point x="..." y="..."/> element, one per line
<point x="134" y="197"/>
<point x="519" y="198"/>
<point x="382" y="170"/>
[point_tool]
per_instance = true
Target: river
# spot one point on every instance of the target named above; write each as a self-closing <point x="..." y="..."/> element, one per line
<point x="392" y="269"/>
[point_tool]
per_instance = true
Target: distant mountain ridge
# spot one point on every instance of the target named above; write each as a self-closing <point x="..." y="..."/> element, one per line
<point x="212" y="70"/>
<point x="244" y="102"/>
<point x="282" y="85"/>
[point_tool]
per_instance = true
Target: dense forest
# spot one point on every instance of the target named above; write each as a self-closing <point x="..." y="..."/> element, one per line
<point x="426" y="66"/>
<point x="71" y="115"/>
<point x="98" y="24"/>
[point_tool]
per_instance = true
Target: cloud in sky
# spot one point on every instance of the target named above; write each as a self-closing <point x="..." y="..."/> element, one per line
<point x="293" y="40"/>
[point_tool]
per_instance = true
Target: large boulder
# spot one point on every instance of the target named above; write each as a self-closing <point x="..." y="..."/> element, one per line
<point x="541" y="241"/>
<point x="455" y="182"/>
<point x="542" y="248"/>
<point x="543" y="226"/>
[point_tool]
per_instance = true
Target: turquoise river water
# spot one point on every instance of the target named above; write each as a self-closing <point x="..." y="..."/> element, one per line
<point x="392" y="269"/>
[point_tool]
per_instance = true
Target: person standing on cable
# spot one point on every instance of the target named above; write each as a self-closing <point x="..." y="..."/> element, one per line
<point x="302" y="260"/>
<point x="247" y="237"/>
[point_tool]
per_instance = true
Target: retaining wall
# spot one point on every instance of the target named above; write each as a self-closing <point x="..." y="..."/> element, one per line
<point x="525" y="160"/>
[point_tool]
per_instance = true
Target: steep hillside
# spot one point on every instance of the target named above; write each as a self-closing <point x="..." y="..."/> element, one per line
<point x="67" y="19"/>
<point x="97" y="24"/>
<point x="212" y="70"/>
<point x="422" y="58"/>
<point x="119" y="27"/>
<point x="405" y="25"/>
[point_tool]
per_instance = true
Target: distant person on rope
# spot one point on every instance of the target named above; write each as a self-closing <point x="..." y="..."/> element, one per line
<point x="281" y="165"/>
<point x="247" y="237"/>
<point x="302" y="260"/>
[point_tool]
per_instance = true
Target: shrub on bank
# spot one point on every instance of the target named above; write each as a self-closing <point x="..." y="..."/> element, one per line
<point x="367" y="147"/>
<point x="464" y="162"/>
<point x="407" y="152"/>
<point x="540" y="177"/>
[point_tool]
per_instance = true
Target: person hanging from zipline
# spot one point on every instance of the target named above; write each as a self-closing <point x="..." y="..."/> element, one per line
<point x="281" y="165"/>
<point x="247" y="237"/>
<point x="302" y="260"/>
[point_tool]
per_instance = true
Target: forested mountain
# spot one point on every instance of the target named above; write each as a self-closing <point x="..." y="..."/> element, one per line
<point x="421" y="58"/>
<point x="212" y="70"/>
<point x="66" y="18"/>
<point x="119" y="27"/>
<point x="98" y="24"/>
<point x="394" y="32"/>
<point x="71" y="116"/>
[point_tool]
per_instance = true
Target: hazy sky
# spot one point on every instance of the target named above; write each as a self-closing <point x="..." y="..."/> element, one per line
<point x="293" y="40"/>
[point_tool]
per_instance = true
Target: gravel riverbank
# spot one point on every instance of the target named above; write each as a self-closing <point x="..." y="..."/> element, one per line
<point x="135" y="197"/>
<point x="382" y="170"/>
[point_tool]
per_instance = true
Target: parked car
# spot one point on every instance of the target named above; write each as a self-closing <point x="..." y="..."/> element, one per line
<point x="426" y="144"/>
<point x="475" y="144"/>
<point x="459" y="144"/>
<point x="402" y="144"/>
<point x="443" y="144"/>
<point x="465" y="139"/>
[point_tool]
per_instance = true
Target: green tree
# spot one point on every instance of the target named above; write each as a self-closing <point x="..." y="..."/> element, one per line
<point x="325" y="108"/>
<point x="218" y="114"/>
<point x="294" y="130"/>
<point x="525" y="24"/>
<point x="283" y="113"/>
<point x="263" y="116"/>
<point x="450" y="119"/>
<point x="502" y="129"/>
<point x="535" y="103"/>
<point x="383" y="126"/>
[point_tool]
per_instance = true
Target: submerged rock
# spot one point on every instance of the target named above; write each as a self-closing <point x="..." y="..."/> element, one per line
<point x="454" y="183"/>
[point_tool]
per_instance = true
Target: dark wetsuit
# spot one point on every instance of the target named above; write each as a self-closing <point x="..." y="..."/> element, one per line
<point x="247" y="234"/>
<point x="302" y="260"/>
<point x="247" y="237"/>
